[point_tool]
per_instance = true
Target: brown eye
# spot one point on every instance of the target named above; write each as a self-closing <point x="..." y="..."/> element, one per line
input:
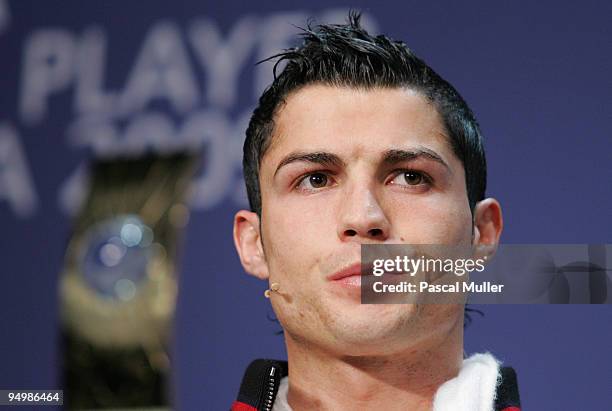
<point x="314" y="181"/>
<point x="317" y="180"/>
<point x="413" y="178"/>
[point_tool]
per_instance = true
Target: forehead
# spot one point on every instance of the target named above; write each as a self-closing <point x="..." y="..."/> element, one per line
<point x="355" y="123"/>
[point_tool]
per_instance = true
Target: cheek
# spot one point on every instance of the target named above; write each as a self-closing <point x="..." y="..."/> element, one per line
<point x="295" y="226"/>
<point x="295" y="238"/>
<point x="434" y="220"/>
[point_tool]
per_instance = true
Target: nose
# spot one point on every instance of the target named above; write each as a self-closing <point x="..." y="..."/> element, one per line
<point x="362" y="217"/>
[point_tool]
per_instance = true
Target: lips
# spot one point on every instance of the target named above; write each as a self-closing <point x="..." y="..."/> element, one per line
<point x="350" y="271"/>
<point x="353" y="270"/>
<point x="348" y="277"/>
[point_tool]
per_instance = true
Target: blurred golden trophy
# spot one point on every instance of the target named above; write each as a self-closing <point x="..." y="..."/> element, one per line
<point x="119" y="285"/>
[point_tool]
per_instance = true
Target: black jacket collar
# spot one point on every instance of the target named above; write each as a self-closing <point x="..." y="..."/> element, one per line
<point x="262" y="379"/>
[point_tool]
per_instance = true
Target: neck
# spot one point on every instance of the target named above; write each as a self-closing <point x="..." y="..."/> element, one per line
<point x="408" y="379"/>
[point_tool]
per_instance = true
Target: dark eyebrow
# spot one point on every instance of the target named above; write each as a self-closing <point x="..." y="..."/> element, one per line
<point x="392" y="157"/>
<point x="323" y="158"/>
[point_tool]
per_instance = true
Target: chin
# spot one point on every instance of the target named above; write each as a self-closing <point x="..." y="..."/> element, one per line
<point x="372" y="328"/>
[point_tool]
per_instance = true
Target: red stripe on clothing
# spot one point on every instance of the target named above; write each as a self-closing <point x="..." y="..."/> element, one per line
<point x="511" y="409"/>
<point x="241" y="406"/>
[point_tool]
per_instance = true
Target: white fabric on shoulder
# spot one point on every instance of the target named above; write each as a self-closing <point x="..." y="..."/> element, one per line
<point x="280" y="403"/>
<point x="473" y="389"/>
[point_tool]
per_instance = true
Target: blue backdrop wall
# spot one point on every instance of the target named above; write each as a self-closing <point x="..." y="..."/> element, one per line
<point x="80" y="80"/>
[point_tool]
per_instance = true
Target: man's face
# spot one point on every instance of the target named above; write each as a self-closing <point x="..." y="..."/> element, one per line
<point x="347" y="167"/>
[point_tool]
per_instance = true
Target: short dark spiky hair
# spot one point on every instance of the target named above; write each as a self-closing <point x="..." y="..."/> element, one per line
<point x="348" y="56"/>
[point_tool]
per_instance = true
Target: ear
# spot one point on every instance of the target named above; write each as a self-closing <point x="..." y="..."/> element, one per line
<point x="488" y="225"/>
<point x="247" y="239"/>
